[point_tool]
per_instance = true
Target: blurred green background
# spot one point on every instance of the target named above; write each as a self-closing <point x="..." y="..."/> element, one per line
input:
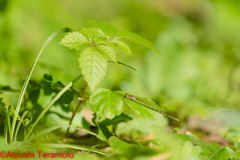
<point x="197" y="73"/>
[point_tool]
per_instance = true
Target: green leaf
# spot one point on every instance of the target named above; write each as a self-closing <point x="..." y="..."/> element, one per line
<point x="2" y="108"/>
<point x="119" y="118"/>
<point x="103" y="132"/>
<point x="223" y="154"/>
<point x="106" y="103"/>
<point x="136" y="38"/>
<point x="147" y="115"/>
<point x="34" y="95"/>
<point x="60" y="93"/>
<point x="130" y="150"/>
<point x="123" y="47"/>
<point x="47" y="88"/>
<point x="106" y="28"/>
<point x="93" y="34"/>
<point x="66" y="98"/>
<point x="50" y="81"/>
<point x="100" y="129"/>
<point x="74" y="40"/>
<point x="122" y="117"/>
<point x="118" y="144"/>
<point x="107" y="51"/>
<point x="107" y="43"/>
<point x="207" y="149"/>
<point x="53" y="81"/>
<point x="195" y="151"/>
<point x="187" y="148"/>
<point x="93" y="65"/>
<point x="89" y="32"/>
<point x="7" y="88"/>
<point x="189" y="151"/>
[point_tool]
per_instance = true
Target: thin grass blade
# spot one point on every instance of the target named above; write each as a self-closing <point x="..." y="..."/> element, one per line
<point x="19" y="124"/>
<point x="57" y="127"/>
<point x="77" y="147"/>
<point x="23" y="90"/>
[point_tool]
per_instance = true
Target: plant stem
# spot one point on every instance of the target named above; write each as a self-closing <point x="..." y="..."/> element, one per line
<point x="77" y="108"/>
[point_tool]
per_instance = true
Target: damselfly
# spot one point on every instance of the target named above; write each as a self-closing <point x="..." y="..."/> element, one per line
<point x="133" y="98"/>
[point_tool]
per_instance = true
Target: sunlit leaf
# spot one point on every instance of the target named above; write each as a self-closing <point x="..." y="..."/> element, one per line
<point x="106" y="28"/>
<point x="147" y="115"/>
<point x="74" y="40"/>
<point x="93" y="34"/>
<point x="187" y="148"/>
<point x="107" y="51"/>
<point x="189" y="151"/>
<point x="195" y="151"/>
<point x="136" y="38"/>
<point x="107" y="43"/>
<point x="93" y="65"/>
<point x="207" y="149"/>
<point x="108" y="104"/>
<point x="224" y="153"/>
<point x="123" y="47"/>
